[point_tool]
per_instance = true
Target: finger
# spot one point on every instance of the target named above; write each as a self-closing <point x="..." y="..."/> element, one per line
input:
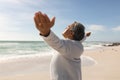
<point x="36" y="23"/>
<point x="38" y="26"/>
<point x="41" y="17"/>
<point x="52" y="21"/>
<point x="37" y="17"/>
<point x="47" y="18"/>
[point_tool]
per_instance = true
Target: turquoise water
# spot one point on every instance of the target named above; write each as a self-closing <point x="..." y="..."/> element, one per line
<point x="34" y="47"/>
<point x="23" y="47"/>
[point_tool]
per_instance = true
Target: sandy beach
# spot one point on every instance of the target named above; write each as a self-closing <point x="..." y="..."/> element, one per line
<point x="107" y="67"/>
<point x="108" y="64"/>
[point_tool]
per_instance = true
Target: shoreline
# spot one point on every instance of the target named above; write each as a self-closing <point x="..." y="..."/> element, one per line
<point x="37" y="68"/>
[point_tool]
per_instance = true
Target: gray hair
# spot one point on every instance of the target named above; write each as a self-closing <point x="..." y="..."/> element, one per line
<point x="79" y="31"/>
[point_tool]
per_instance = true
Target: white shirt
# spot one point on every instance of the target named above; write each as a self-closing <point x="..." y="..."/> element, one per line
<point x="66" y="63"/>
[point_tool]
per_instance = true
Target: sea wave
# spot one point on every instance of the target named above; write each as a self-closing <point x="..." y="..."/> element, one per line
<point x="91" y="47"/>
<point x="35" y="47"/>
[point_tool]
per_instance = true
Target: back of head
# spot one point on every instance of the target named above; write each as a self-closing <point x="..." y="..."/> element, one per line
<point x="79" y="31"/>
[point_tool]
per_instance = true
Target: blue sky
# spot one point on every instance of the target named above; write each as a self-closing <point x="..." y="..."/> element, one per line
<point x="101" y="17"/>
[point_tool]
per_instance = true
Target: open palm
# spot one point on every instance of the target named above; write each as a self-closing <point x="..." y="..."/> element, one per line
<point x="43" y="23"/>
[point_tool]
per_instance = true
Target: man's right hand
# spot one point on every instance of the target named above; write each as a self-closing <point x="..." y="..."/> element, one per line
<point x="43" y="23"/>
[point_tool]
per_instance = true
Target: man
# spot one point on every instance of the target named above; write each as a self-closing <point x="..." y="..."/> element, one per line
<point x="66" y="63"/>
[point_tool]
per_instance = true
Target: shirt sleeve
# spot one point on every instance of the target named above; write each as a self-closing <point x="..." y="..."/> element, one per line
<point x="68" y="48"/>
<point x="56" y="43"/>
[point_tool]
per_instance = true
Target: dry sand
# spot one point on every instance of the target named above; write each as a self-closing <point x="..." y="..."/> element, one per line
<point x="107" y="67"/>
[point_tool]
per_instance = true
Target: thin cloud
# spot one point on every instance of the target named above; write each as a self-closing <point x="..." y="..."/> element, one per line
<point x="18" y="36"/>
<point x="7" y="23"/>
<point x="96" y="28"/>
<point x="16" y="19"/>
<point x="10" y="1"/>
<point x="116" y="28"/>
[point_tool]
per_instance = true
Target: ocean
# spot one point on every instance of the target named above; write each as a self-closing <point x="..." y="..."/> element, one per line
<point x="16" y="48"/>
<point x="23" y="48"/>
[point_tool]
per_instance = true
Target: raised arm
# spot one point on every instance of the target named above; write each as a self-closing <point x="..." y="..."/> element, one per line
<point x="44" y="24"/>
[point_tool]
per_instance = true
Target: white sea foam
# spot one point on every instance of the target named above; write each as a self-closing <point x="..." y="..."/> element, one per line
<point x="91" y="47"/>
